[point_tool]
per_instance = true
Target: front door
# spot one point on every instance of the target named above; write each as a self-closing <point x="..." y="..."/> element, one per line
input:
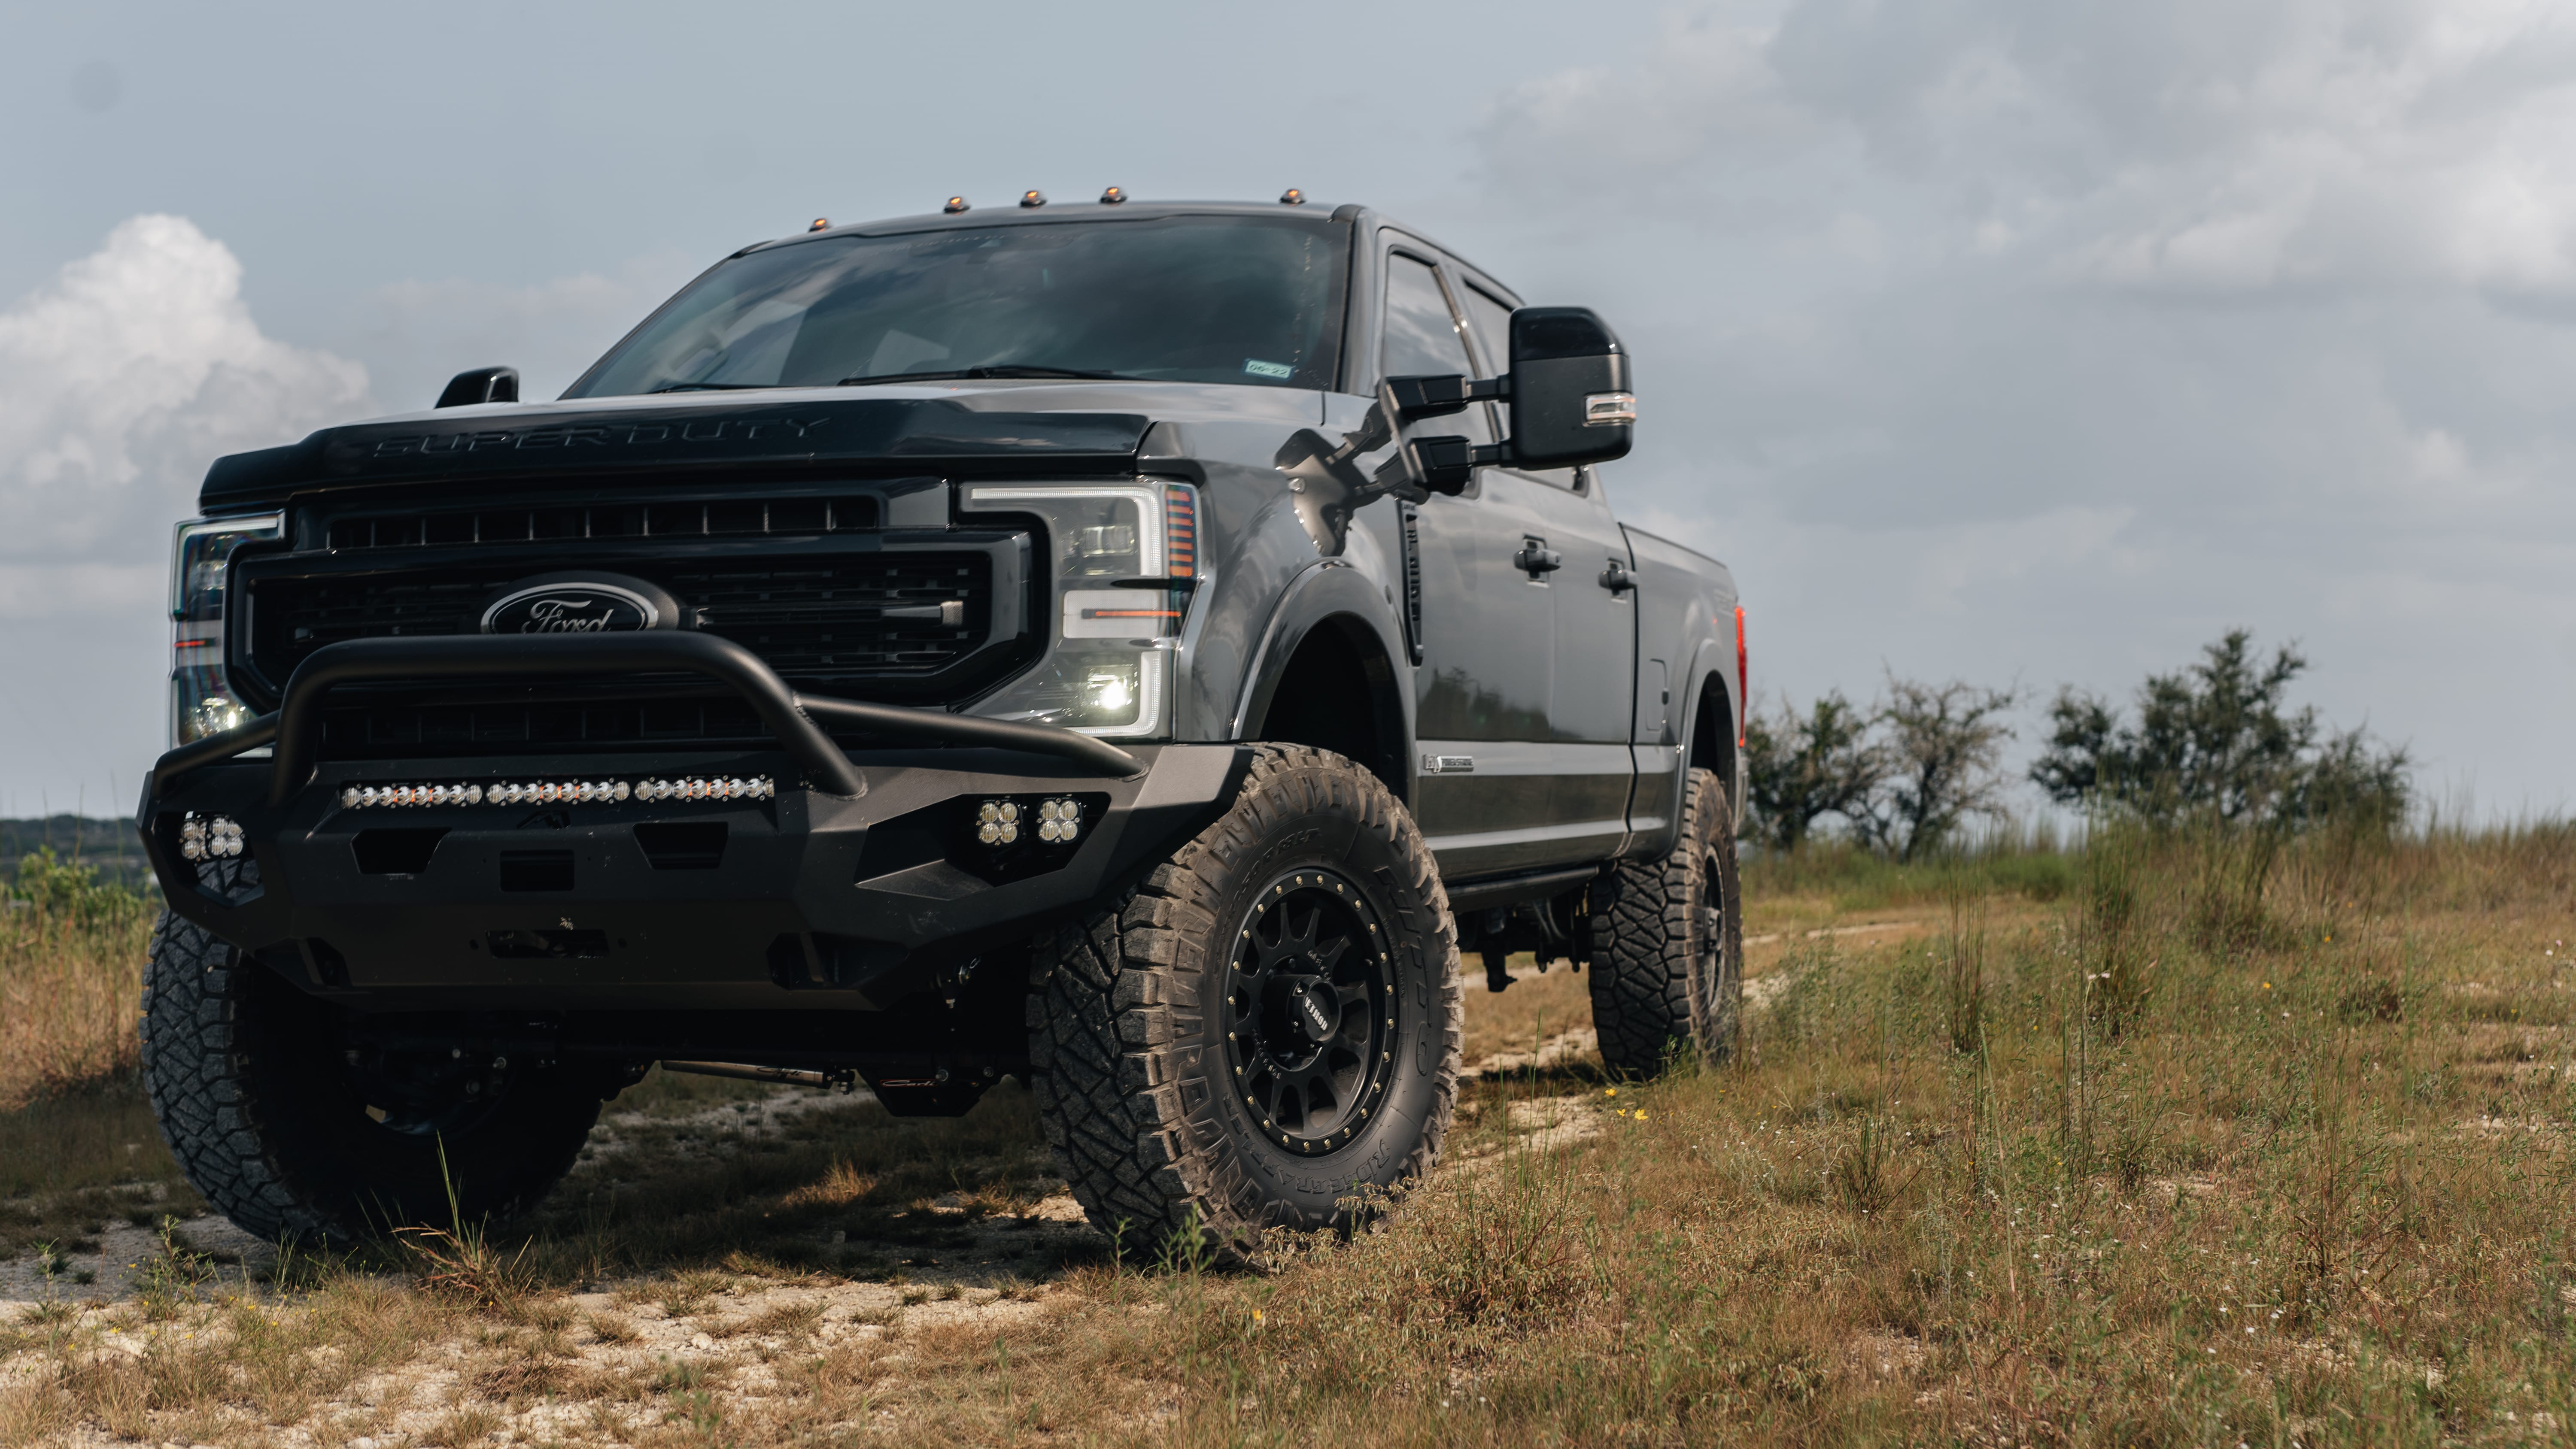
<point x="1487" y="675"/>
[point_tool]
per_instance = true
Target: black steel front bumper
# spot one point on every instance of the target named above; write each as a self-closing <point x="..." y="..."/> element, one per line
<point x="820" y="896"/>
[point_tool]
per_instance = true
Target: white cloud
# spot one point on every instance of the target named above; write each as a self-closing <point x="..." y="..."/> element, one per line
<point x="137" y="366"/>
<point x="2015" y="338"/>
<point x="2219" y="145"/>
<point x="124" y="378"/>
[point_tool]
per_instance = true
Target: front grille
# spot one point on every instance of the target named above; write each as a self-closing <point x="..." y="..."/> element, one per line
<point x="903" y="625"/>
<point x="834" y="620"/>
<point x="718" y="518"/>
<point x="820" y="621"/>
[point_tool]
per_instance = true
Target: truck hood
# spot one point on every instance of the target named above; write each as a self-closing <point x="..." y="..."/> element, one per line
<point x="973" y="427"/>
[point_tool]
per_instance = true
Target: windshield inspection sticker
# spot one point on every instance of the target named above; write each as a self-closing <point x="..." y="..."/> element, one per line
<point x="1258" y="368"/>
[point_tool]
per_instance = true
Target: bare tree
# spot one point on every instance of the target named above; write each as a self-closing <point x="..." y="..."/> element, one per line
<point x="1943" y="747"/>
<point x="1801" y="768"/>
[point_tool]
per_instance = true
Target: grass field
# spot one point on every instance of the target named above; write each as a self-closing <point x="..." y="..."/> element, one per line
<point x="2200" y="1140"/>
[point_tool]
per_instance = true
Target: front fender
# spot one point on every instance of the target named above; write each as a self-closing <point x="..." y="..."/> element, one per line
<point x="1331" y="589"/>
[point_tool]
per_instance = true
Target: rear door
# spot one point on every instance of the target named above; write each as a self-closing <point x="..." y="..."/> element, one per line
<point x="1592" y="624"/>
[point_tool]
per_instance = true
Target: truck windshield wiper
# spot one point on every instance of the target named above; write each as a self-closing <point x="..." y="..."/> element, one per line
<point x="997" y="370"/>
<point x="712" y="386"/>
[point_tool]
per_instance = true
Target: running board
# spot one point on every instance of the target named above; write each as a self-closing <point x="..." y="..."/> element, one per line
<point x="1511" y="890"/>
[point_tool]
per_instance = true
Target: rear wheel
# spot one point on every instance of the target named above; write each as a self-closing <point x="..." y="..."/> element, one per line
<point x="1668" y="956"/>
<point x="1265" y="1032"/>
<point x="291" y="1130"/>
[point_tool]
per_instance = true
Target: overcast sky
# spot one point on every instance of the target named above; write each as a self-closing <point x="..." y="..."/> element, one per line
<point x="2021" y="343"/>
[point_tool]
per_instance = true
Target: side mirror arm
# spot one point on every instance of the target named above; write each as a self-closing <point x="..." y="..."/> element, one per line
<point x="1448" y="464"/>
<point x="1411" y="399"/>
<point x="1326" y="480"/>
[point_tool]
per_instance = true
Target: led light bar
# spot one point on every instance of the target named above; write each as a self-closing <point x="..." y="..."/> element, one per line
<point x="212" y="837"/>
<point x="557" y="792"/>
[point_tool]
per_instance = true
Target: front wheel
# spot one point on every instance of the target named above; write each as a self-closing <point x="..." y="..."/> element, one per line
<point x="292" y="1128"/>
<point x="1668" y="956"/>
<point x="1265" y="1032"/>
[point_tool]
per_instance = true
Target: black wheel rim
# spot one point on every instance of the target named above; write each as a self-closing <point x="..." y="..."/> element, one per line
<point x="1310" y="1011"/>
<point x="1709" y="970"/>
<point x="428" y="1093"/>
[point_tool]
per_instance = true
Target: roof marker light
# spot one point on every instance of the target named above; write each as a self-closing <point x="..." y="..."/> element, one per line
<point x="1033" y="197"/>
<point x="1292" y="197"/>
<point x="957" y="204"/>
<point x="821" y="223"/>
<point x="1112" y="196"/>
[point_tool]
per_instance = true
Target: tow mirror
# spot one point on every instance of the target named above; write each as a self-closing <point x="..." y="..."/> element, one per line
<point x="481" y="385"/>
<point x="1569" y="393"/>
<point x="1572" y="402"/>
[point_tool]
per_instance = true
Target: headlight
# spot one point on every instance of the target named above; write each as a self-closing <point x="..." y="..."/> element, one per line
<point x="201" y="701"/>
<point x="1123" y="558"/>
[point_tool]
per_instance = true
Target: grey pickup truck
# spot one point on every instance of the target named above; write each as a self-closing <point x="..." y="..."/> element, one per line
<point x="1136" y="648"/>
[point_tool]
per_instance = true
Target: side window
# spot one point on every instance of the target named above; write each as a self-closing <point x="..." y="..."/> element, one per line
<point x="1421" y="334"/>
<point x="1492" y="320"/>
<point x="1493" y="323"/>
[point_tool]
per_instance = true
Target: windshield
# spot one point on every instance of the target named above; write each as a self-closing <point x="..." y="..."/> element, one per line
<point x="1184" y="299"/>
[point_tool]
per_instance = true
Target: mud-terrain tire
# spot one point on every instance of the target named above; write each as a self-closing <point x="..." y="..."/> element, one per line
<point x="1668" y="954"/>
<point x="1197" y="1057"/>
<point x="251" y="1085"/>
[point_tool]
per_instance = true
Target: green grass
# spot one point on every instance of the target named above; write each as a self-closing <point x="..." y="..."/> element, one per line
<point x="1850" y="879"/>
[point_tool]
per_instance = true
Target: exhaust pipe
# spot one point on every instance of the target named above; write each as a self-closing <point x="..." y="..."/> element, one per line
<point x="841" y="1080"/>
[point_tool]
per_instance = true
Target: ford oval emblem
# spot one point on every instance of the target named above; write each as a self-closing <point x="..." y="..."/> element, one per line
<point x="584" y="607"/>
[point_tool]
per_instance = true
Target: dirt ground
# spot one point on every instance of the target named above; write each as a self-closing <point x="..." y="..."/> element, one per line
<point x="570" y="1366"/>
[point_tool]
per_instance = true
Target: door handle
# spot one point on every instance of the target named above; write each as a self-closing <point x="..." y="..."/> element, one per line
<point x="1536" y="558"/>
<point x="1617" y="579"/>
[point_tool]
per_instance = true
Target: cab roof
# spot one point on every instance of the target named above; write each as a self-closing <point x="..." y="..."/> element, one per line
<point x="1013" y="214"/>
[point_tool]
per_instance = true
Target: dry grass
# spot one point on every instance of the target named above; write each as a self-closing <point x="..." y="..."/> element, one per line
<point x="78" y="1149"/>
<point x="2208" y="1146"/>
<point x="71" y="980"/>
<point x="1536" y="1009"/>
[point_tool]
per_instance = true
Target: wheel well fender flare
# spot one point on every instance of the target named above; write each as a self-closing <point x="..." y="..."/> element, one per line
<point x="1333" y="594"/>
<point x="1714" y="718"/>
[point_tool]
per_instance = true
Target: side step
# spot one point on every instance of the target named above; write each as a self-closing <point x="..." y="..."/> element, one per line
<point x="1511" y="890"/>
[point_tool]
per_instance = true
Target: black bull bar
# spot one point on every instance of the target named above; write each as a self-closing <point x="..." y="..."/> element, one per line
<point x="295" y="726"/>
<point x="854" y="884"/>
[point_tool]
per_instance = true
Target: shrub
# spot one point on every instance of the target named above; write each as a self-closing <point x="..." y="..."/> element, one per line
<point x="2218" y="739"/>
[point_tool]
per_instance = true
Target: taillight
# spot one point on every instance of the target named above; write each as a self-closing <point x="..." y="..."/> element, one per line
<point x="1743" y="701"/>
